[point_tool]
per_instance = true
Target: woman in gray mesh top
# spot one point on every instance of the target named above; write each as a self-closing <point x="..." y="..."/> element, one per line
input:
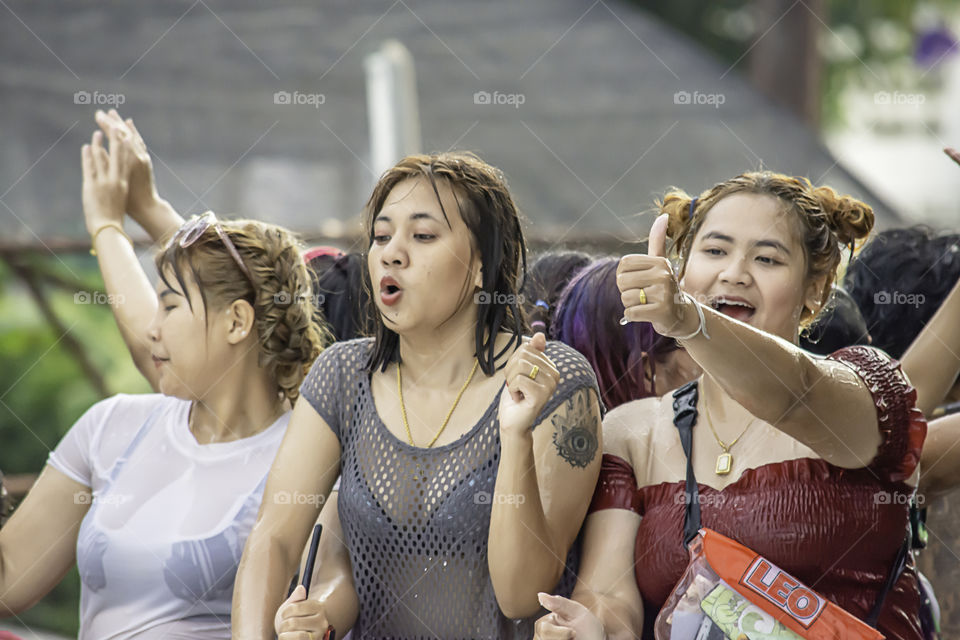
<point x="468" y="454"/>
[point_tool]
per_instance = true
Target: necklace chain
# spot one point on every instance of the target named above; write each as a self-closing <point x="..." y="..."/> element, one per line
<point x="725" y="459"/>
<point x="726" y="447"/>
<point x="403" y="410"/>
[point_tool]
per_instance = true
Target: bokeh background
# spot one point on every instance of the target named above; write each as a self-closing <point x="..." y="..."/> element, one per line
<point x="288" y="111"/>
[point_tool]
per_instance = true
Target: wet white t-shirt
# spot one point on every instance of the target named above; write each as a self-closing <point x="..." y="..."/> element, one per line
<point x="159" y="548"/>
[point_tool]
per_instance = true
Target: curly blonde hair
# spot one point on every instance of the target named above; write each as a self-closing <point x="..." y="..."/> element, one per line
<point x="289" y="330"/>
<point x="825" y="221"/>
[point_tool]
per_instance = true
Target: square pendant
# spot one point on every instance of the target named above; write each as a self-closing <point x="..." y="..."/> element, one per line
<point x="724" y="464"/>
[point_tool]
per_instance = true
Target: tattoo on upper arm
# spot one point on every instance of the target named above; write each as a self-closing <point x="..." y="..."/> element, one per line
<point x="575" y="431"/>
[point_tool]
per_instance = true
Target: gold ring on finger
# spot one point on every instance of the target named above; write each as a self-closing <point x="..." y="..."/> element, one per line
<point x="643" y="296"/>
<point x="533" y="372"/>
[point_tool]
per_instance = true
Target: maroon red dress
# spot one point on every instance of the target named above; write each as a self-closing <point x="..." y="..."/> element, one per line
<point x="838" y="530"/>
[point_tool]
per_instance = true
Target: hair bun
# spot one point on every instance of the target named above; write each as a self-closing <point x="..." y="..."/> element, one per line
<point x="676" y="204"/>
<point x="849" y="218"/>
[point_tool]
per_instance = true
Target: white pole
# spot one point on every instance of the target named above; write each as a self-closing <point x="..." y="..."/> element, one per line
<point x="392" y="105"/>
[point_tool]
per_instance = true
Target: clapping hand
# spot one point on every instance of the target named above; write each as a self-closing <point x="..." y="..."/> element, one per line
<point x="105" y="185"/>
<point x="142" y="194"/>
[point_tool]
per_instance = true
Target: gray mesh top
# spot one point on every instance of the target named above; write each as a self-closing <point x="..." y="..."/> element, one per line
<point x="415" y="520"/>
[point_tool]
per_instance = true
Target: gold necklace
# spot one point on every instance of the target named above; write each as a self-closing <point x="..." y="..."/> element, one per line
<point x="403" y="410"/>
<point x="725" y="459"/>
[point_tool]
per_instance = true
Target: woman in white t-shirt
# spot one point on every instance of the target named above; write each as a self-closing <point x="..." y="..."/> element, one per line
<point x="154" y="495"/>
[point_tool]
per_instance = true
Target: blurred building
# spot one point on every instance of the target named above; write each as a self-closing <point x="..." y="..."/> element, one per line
<point x="898" y="120"/>
<point x="260" y="109"/>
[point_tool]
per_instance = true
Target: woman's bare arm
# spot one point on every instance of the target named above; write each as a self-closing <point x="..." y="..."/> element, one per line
<point x="132" y="299"/>
<point x="933" y="359"/>
<point x="822" y="403"/>
<point x="333" y="597"/>
<point x="940" y="458"/>
<point x="307" y="464"/>
<point x="540" y="499"/>
<point x="606" y="583"/>
<point x="39" y="543"/>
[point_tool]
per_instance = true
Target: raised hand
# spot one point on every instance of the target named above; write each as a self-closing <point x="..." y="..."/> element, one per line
<point x="105" y="185"/>
<point x="143" y="194"/>
<point x="531" y="379"/>
<point x="953" y="153"/>
<point x="649" y="289"/>
<point x="144" y="204"/>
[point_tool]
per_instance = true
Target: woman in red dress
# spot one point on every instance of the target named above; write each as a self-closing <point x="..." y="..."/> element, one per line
<point x="808" y="461"/>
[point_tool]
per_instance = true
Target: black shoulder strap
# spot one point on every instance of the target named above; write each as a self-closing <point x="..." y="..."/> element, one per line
<point x="684" y="417"/>
<point x="899" y="564"/>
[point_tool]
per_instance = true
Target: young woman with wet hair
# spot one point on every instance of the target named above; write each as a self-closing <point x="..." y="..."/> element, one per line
<point x="154" y="495"/>
<point x="812" y="445"/>
<point x="468" y="453"/>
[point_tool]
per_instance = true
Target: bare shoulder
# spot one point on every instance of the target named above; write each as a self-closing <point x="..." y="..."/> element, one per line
<point x="628" y="429"/>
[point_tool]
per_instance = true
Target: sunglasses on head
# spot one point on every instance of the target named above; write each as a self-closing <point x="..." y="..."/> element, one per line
<point x="193" y="229"/>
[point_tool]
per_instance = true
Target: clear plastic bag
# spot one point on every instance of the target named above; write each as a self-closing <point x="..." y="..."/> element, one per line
<point x="730" y="592"/>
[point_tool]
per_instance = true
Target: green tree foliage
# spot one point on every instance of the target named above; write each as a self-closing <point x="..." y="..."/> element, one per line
<point x="864" y="43"/>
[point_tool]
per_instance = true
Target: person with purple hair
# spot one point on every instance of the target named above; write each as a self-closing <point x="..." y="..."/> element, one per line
<point x="586" y="319"/>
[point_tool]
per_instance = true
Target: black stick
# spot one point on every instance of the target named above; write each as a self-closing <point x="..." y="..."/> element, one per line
<point x="307" y="574"/>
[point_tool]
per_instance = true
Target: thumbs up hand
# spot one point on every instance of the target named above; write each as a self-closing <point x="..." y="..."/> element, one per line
<point x="649" y="289"/>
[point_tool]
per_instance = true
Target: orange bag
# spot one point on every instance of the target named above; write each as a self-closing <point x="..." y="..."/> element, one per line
<point x="730" y="590"/>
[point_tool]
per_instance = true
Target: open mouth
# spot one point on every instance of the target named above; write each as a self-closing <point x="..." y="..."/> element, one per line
<point x="390" y="291"/>
<point x="736" y="308"/>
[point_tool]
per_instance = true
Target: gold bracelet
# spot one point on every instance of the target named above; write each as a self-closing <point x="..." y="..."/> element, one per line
<point x="93" y="236"/>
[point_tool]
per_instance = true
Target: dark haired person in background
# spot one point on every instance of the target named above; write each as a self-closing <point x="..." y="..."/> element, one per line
<point x="546" y="278"/>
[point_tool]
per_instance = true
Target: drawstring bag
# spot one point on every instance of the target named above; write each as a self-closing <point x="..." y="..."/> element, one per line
<point x="730" y="592"/>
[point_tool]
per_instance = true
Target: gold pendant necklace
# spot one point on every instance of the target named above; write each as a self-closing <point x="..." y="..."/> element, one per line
<point x="403" y="410"/>
<point x="725" y="459"/>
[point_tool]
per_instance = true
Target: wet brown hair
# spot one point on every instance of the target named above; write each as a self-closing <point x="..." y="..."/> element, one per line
<point x="825" y="221"/>
<point x="489" y="212"/>
<point x="288" y="331"/>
